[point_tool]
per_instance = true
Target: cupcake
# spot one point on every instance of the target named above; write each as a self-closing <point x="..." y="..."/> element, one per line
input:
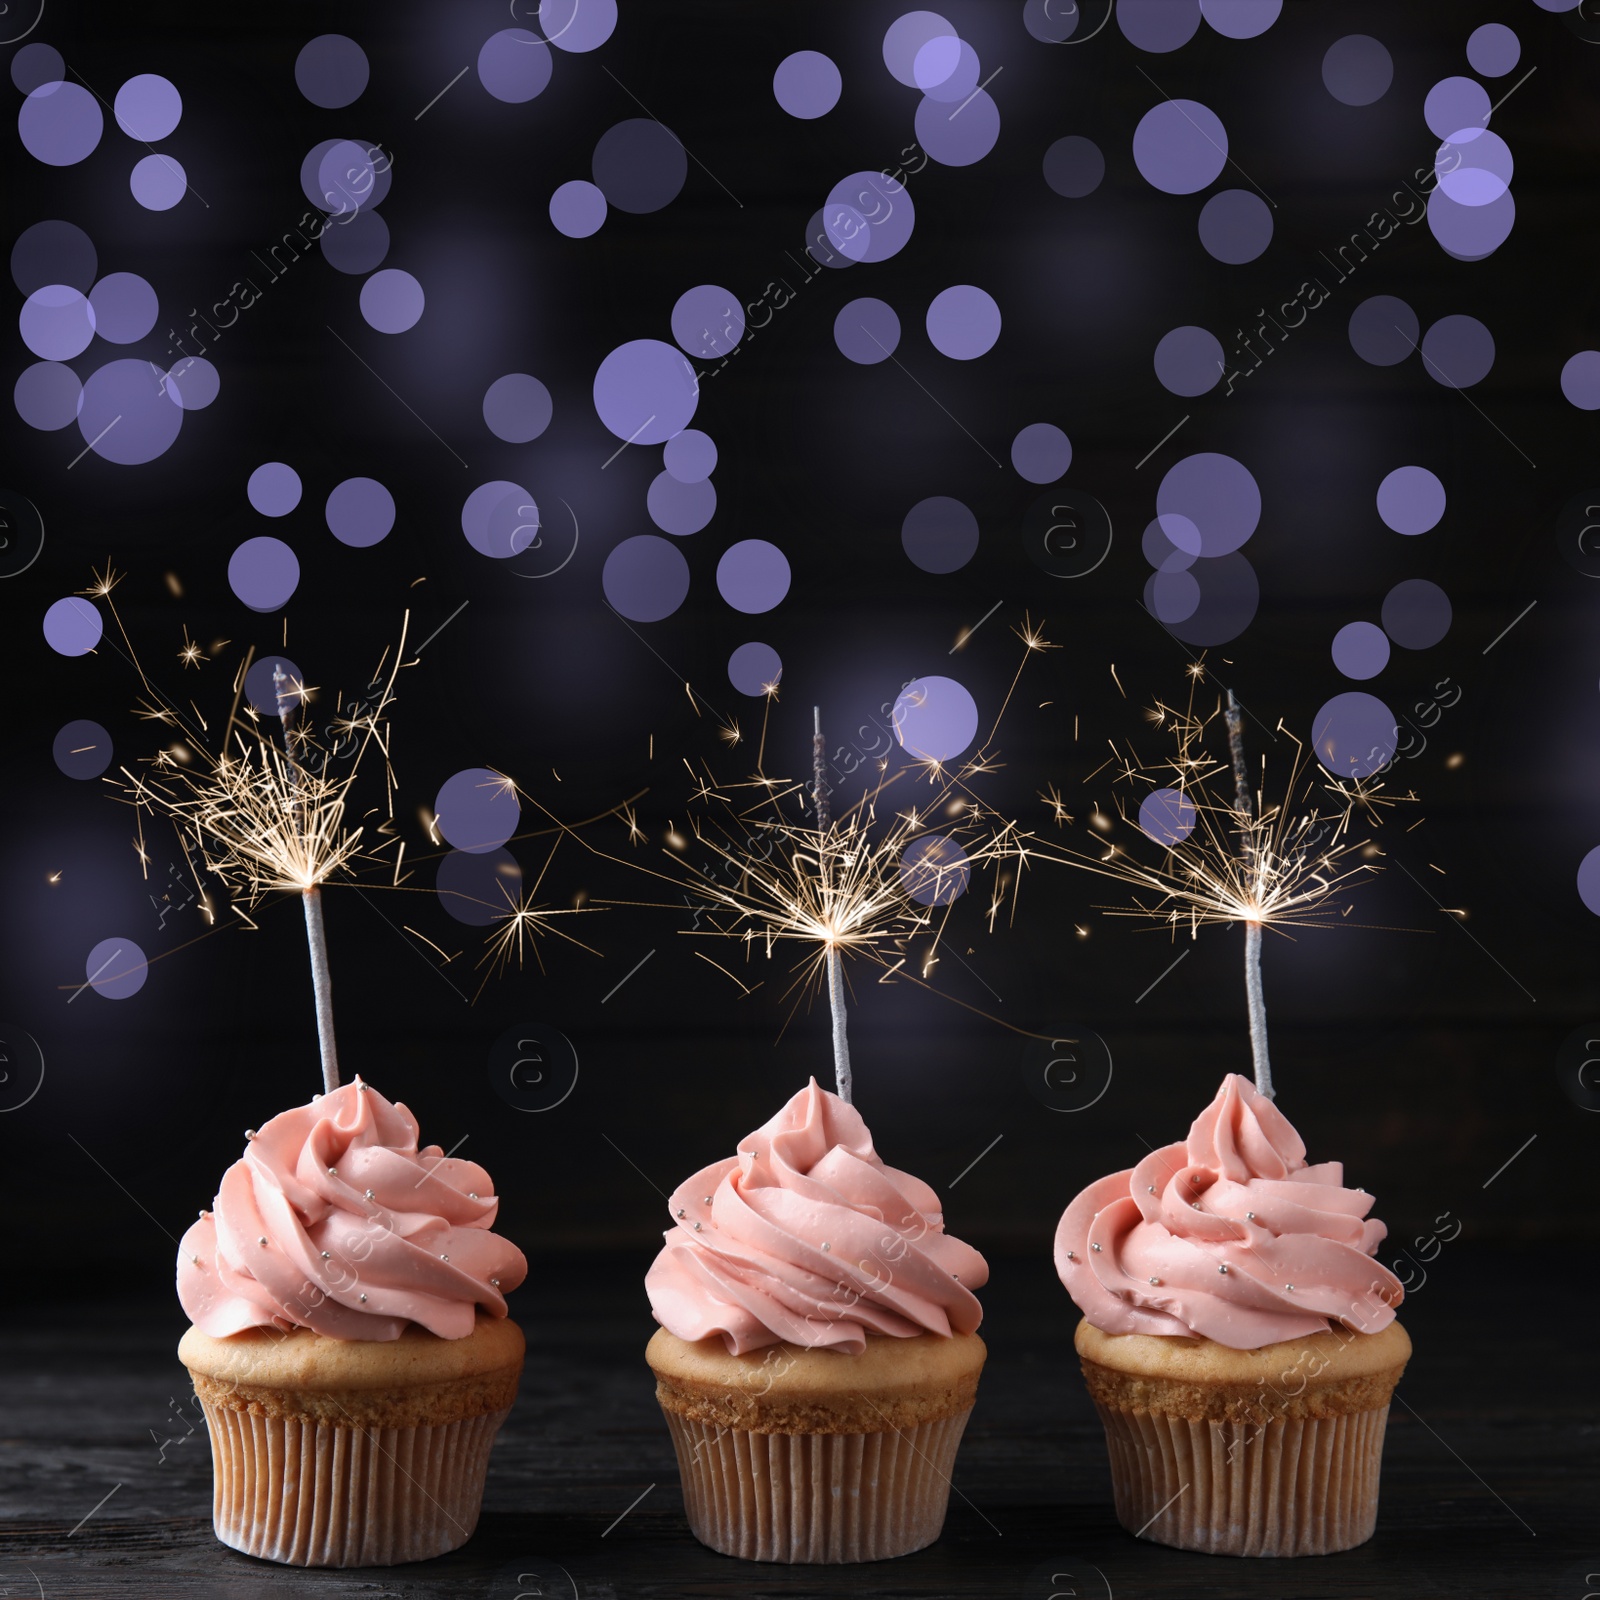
<point x="350" y="1348"/>
<point x="818" y="1357"/>
<point x="1238" y="1338"/>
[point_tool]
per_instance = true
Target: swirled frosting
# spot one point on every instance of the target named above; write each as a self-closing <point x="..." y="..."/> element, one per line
<point x="334" y="1220"/>
<point x="1228" y="1236"/>
<point x="807" y="1237"/>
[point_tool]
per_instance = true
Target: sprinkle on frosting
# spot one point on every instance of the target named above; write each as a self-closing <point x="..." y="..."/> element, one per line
<point x="1293" y="1246"/>
<point x="759" y="1272"/>
<point x="428" y="1257"/>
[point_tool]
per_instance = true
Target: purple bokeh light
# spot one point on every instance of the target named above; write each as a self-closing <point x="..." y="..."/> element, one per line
<point x="359" y="512"/>
<point x="53" y="252"/>
<point x="1157" y="26"/>
<point x="939" y="534"/>
<point x="866" y="331"/>
<point x="1456" y="103"/>
<point x="905" y="40"/>
<point x="1168" y="816"/>
<point x="578" y="209"/>
<point x="1189" y="361"/>
<point x="193" y="383"/>
<point x="72" y="627"/>
<point x="645" y="391"/>
<point x="479" y="887"/>
<point x="1360" y="650"/>
<point x="1229" y="596"/>
<point x="1180" y="146"/>
<point x="1241" y="19"/>
<point x="690" y="456"/>
<point x="517" y="408"/>
<point x="708" y="321"/>
<point x="680" y="508"/>
<point x="392" y="301"/>
<point x="274" y="489"/>
<point x="1474" y="167"/>
<point x="477" y="810"/>
<point x="963" y="322"/>
<point x="128" y="415"/>
<point x="639" y="166"/>
<point x="959" y="80"/>
<point x="116" y="969"/>
<point x="1493" y="50"/>
<point x="514" y="65"/>
<point x="36" y="65"/>
<point x="1160" y="549"/>
<point x="158" y="182"/>
<point x="56" y="322"/>
<point x="934" y="870"/>
<point x="1354" y="735"/>
<point x="1384" y="330"/>
<point x="1411" y="500"/>
<point x="264" y="572"/>
<point x="60" y="124"/>
<point x="1235" y="226"/>
<point x="1417" y="614"/>
<point x="960" y="135"/>
<point x="148" y="107"/>
<point x="869" y="216"/>
<point x="1051" y="21"/>
<point x="1458" y="351"/>
<point x="342" y="176"/>
<point x="578" y="26"/>
<point x="357" y="243"/>
<point x="1172" y="594"/>
<point x="1357" y="70"/>
<point x="1074" y="166"/>
<point x="259" y="686"/>
<point x="753" y="576"/>
<point x="1580" y="380"/>
<point x="331" y="71"/>
<point x="125" y="307"/>
<point x="500" y="519"/>
<point x="645" y="578"/>
<point x="754" y="667"/>
<point x="935" y="719"/>
<point x="47" y="395"/>
<point x="807" y="85"/>
<point x="82" y="749"/>
<point x="1469" y="233"/>
<point x="1217" y="494"/>
<point x="1589" y="880"/>
<point x="1041" y="452"/>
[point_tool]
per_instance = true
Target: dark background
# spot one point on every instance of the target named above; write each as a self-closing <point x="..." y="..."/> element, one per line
<point x="1424" y="1051"/>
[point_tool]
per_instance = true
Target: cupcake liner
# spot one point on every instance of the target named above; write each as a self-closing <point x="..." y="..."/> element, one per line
<point x="816" y="1497"/>
<point x="1295" y="1486"/>
<point x="315" y="1494"/>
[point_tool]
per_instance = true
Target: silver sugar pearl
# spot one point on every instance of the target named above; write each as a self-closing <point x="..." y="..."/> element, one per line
<point x="1071" y="1256"/>
<point x="250" y="1133"/>
<point x="363" y="1089"/>
<point x="705" y="1199"/>
<point x="444" y="1258"/>
<point x="1094" y="1247"/>
<point x="1149" y="1188"/>
<point x="1155" y="1280"/>
<point x="495" y="1282"/>
<point x="1289" y="1287"/>
<point x="333" y="1172"/>
<point x="369" y="1194"/>
<point x="471" y="1195"/>
<point x="698" y="1228"/>
<point x="262" y="1240"/>
<point x="1223" y="1268"/>
<point x="363" y="1299"/>
<point x="827" y="1246"/>
<point x="326" y="1256"/>
<point x="1250" y="1216"/>
<point x="682" y="1212"/>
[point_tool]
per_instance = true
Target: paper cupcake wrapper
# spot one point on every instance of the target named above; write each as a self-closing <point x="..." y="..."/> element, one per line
<point x="1291" y="1487"/>
<point x="816" y="1497"/>
<point x="311" y="1494"/>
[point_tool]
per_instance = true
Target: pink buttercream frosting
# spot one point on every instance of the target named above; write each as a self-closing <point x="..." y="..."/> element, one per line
<point x="1228" y="1236"/>
<point x="807" y="1237"/>
<point x="334" y="1220"/>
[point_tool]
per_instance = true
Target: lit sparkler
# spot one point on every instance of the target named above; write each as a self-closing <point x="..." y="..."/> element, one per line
<point x="1266" y="863"/>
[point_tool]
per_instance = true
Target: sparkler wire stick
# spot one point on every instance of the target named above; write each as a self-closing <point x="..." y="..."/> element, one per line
<point x="1254" y="998"/>
<point x="311" y="897"/>
<point x="835" y="962"/>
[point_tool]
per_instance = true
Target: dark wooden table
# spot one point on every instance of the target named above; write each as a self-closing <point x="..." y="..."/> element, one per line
<point x="1490" y="1474"/>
